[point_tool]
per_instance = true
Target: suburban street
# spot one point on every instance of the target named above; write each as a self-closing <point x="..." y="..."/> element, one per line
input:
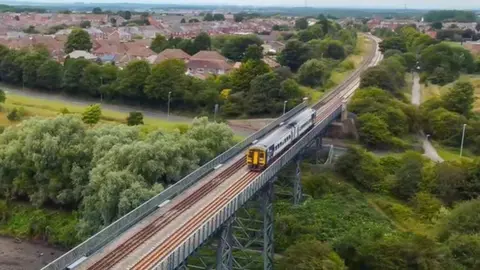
<point x="429" y="150"/>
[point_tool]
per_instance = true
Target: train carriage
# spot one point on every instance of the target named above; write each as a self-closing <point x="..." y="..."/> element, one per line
<point x="264" y="151"/>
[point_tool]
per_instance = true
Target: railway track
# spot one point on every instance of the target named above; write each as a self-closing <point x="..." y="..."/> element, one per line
<point x="116" y="255"/>
<point x="157" y="254"/>
<point x="181" y="235"/>
<point x="161" y="252"/>
<point x="352" y="77"/>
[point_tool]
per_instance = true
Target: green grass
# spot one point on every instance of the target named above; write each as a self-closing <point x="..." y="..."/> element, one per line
<point x="27" y="222"/>
<point x="49" y="108"/>
<point x="400" y="214"/>
<point x="453" y="153"/>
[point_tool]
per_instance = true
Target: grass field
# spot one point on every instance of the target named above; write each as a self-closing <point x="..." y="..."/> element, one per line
<point x="453" y="153"/>
<point x="433" y="90"/>
<point x="49" y="108"/>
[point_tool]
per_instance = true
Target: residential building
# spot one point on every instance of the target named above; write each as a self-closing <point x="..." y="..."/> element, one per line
<point x="82" y="54"/>
<point x="208" y="62"/>
<point x="169" y="54"/>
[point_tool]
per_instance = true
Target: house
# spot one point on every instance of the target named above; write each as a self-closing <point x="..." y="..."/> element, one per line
<point x="208" y="62"/>
<point x="169" y="54"/>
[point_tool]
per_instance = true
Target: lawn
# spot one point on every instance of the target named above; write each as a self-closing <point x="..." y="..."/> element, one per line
<point x="51" y="108"/>
<point x="433" y="90"/>
<point x="453" y="153"/>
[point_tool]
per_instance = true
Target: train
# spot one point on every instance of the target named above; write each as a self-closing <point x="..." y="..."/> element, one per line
<point x="264" y="151"/>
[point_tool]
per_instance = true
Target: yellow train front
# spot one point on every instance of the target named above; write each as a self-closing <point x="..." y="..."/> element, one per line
<point x="264" y="151"/>
<point x="257" y="158"/>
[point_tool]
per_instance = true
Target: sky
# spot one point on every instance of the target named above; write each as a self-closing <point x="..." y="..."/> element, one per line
<point x="411" y="4"/>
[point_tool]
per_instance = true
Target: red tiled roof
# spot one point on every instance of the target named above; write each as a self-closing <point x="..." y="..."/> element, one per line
<point x="208" y="55"/>
<point x="172" y="54"/>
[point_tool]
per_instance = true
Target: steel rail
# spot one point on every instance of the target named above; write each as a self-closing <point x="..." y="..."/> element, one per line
<point x="117" y="254"/>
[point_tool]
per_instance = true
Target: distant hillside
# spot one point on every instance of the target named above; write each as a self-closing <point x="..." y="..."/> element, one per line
<point x="7" y="8"/>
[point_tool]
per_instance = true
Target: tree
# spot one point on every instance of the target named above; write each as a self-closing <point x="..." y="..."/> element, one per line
<point x="182" y="20"/>
<point x="97" y="10"/>
<point x="135" y="118"/>
<point x="373" y="131"/>
<point x="378" y="76"/>
<point x="218" y="17"/>
<point x="393" y="43"/>
<point x="73" y="75"/>
<point x="159" y="43"/>
<point x="310" y="254"/>
<point x="208" y="17"/>
<point x="437" y="25"/>
<point x="264" y="94"/>
<point x="332" y="49"/>
<point x="86" y="24"/>
<point x="409" y="176"/>
<point x="235" y="47"/>
<point x="113" y="21"/>
<point x="391" y="52"/>
<point x="445" y="125"/>
<point x="50" y="75"/>
<point x="132" y="79"/>
<point x="92" y="79"/>
<point x="193" y="20"/>
<point x="239" y="17"/>
<point x="14" y="115"/>
<point x="31" y="63"/>
<point x="92" y="114"/>
<point x="463" y="219"/>
<point x="166" y="76"/>
<point x="11" y="67"/>
<point x="78" y="39"/>
<point x="248" y="71"/>
<point x="187" y="46"/>
<point x="466" y="250"/>
<point x="460" y="98"/>
<point x="301" y="23"/>
<point x="202" y="42"/>
<point x="254" y="52"/>
<point x="312" y="73"/>
<point x="294" y="55"/>
<point x="2" y="96"/>
<point x="450" y="180"/>
<point x="362" y="167"/>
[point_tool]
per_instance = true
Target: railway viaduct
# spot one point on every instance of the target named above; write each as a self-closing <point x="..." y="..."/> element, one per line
<point x="167" y="230"/>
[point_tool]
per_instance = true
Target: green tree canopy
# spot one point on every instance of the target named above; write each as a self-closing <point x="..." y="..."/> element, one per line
<point x="50" y="75"/>
<point x="159" y="43"/>
<point x="254" y="52"/>
<point x="294" y="55"/>
<point x="460" y="98"/>
<point x="301" y="23"/>
<point x="78" y="39"/>
<point x="167" y="76"/>
<point x="73" y="75"/>
<point x="132" y="79"/>
<point x="313" y="73"/>
<point x="92" y="114"/>
<point x="135" y="118"/>
<point x="235" y="47"/>
<point x="202" y="42"/>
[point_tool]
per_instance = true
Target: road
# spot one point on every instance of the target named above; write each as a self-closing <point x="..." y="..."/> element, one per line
<point x="83" y="101"/>
<point x="429" y="150"/>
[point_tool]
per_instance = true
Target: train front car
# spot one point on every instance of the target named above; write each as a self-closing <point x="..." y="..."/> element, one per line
<point x="257" y="158"/>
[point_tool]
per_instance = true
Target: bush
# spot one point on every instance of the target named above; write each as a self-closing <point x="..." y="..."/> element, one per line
<point x="466" y="250"/>
<point x="16" y="114"/>
<point x="135" y="118"/>
<point x="464" y="219"/>
<point x="426" y="205"/>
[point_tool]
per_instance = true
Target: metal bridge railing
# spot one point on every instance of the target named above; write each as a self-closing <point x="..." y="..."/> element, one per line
<point x="107" y="234"/>
<point x="208" y="228"/>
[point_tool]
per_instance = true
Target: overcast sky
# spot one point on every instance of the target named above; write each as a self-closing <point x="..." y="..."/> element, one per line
<point x="414" y="4"/>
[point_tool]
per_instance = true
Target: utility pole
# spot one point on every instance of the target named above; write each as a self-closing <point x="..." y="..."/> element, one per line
<point x="168" y="105"/>
<point x="463" y="138"/>
<point x="284" y="106"/>
<point x="215" y="110"/>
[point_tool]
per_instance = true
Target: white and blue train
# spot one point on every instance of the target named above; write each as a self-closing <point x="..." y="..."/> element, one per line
<point x="264" y="151"/>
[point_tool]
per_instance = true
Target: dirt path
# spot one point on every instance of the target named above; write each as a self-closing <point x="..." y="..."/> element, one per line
<point x="23" y="255"/>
